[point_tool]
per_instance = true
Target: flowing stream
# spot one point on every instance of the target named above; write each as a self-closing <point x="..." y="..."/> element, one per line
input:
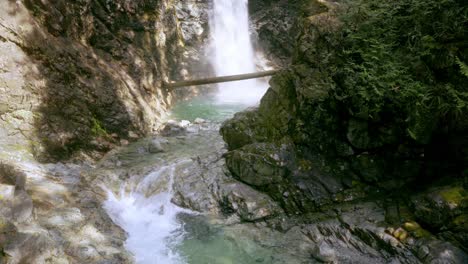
<point x="158" y="230"/>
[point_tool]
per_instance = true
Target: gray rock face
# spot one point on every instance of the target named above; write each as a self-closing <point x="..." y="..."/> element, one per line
<point x="73" y="74"/>
<point x="51" y="215"/>
<point x="275" y="24"/>
<point x="257" y="165"/>
<point x="237" y="131"/>
<point x="173" y="128"/>
<point x="21" y="207"/>
<point x="157" y="145"/>
<point x="444" y="209"/>
<point x="193" y="19"/>
<point x="208" y="187"/>
<point x="324" y="252"/>
<point x="436" y="251"/>
<point x="205" y="185"/>
<point x="81" y="76"/>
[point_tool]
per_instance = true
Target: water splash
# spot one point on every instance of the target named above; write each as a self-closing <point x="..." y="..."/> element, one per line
<point x="232" y="52"/>
<point x="151" y="223"/>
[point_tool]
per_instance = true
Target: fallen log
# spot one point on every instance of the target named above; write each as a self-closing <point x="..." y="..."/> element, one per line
<point x="221" y="79"/>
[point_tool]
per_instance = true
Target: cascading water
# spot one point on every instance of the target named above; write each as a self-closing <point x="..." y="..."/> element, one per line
<point x="231" y="52"/>
<point x="159" y="231"/>
<point x="155" y="233"/>
<point x="151" y="224"/>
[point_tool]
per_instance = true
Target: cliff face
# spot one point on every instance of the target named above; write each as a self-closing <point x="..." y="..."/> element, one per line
<point x="269" y="148"/>
<point x="193" y="18"/>
<point x="86" y="74"/>
<point x="328" y="136"/>
<point x="276" y="25"/>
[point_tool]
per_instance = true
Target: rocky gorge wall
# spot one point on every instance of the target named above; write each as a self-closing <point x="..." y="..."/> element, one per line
<point x="318" y="157"/>
<point x="276" y="26"/>
<point x="84" y="75"/>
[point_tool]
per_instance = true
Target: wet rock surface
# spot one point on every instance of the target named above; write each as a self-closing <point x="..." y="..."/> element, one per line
<point x="50" y="215"/>
<point x="342" y="224"/>
<point x="338" y="222"/>
<point x="194" y="29"/>
<point x="173" y="128"/>
<point x="275" y="23"/>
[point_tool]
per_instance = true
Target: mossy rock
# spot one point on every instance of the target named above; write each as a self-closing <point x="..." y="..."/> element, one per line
<point x="411" y="226"/>
<point x="440" y="206"/>
<point x="455" y="196"/>
<point x="239" y="131"/>
<point x="421" y="233"/>
<point x="257" y="164"/>
<point x="461" y="221"/>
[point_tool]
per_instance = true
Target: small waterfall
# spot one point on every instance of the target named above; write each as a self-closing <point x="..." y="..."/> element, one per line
<point x="151" y="223"/>
<point x="232" y="52"/>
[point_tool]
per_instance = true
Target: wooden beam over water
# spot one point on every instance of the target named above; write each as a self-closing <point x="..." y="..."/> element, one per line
<point x="230" y="78"/>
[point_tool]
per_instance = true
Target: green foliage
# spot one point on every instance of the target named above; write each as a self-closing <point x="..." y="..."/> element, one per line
<point x="402" y="63"/>
<point x="463" y="67"/>
<point x="97" y="129"/>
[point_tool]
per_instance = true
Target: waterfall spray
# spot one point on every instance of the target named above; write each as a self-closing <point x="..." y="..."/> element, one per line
<point x="232" y="52"/>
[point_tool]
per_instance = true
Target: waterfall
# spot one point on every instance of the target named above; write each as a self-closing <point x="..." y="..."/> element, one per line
<point x="231" y="52"/>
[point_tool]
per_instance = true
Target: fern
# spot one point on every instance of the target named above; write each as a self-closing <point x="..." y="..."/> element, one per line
<point x="463" y="67"/>
<point x="398" y="64"/>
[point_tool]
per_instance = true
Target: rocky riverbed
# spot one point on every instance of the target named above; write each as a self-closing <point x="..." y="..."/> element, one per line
<point x="91" y="170"/>
<point x="58" y="214"/>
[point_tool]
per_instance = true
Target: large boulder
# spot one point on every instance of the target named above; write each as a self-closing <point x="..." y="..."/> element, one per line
<point x="258" y="165"/>
<point x="238" y="132"/>
<point x="444" y="209"/>
<point x="438" y="206"/>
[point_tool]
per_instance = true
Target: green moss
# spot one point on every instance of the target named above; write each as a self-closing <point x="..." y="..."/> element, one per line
<point x="415" y="229"/>
<point x="461" y="220"/>
<point x="97" y="128"/>
<point x="420" y="233"/>
<point x="454" y="195"/>
<point x="355" y="183"/>
<point x="3" y="224"/>
<point x="411" y="226"/>
<point x="305" y="165"/>
<point x="21" y="147"/>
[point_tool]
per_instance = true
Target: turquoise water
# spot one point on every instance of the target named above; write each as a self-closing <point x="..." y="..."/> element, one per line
<point x="207" y="243"/>
<point x="160" y="232"/>
<point x="205" y="107"/>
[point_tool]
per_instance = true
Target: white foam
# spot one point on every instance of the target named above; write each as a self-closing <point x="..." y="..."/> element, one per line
<point x="231" y="52"/>
<point x="151" y="224"/>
